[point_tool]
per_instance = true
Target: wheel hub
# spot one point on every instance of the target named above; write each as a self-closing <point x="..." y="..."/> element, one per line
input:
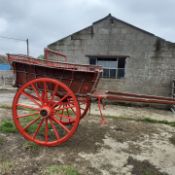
<point x="45" y="112"/>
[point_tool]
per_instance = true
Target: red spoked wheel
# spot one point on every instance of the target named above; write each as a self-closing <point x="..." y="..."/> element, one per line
<point x="84" y="103"/>
<point x="38" y="112"/>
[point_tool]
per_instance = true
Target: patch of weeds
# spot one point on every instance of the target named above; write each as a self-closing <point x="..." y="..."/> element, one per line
<point x="5" y="106"/>
<point x="7" y="126"/>
<point x="60" y="170"/>
<point x="143" y="168"/>
<point x="172" y="139"/>
<point x="172" y="124"/>
<point x="146" y="120"/>
<point x="25" y="121"/>
<point x="30" y="146"/>
<point x="35" y="124"/>
<point x="149" y="120"/>
<point x="2" y="140"/>
<point x="6" y="167"/>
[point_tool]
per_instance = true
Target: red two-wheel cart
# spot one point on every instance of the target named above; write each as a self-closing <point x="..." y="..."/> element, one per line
<point x="52" y="97"/>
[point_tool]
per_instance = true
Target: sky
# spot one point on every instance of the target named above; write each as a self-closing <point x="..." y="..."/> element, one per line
<point x="46" y="21"/>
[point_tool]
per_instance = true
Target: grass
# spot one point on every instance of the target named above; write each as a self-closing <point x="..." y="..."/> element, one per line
<point x="6" y="167"/>
<point x="2" y="140"/>
<point x="34" y="127"/>
<point x="7" y="126"/>
<point x="41" y="133"/>
<point x="30" y="146"/>
<point x="146" y="120"/>
<point x="5" y="106"/>
<point x="60" y="170"/>
<point x="149" y="120"/>
<point x="26" y="120"/>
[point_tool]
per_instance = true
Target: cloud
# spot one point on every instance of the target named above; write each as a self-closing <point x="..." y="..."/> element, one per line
<point x="45" y="21"/>
<point x="3" y="25"/>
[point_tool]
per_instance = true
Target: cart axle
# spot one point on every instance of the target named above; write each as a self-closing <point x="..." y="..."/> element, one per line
<point x="45" y="112"/>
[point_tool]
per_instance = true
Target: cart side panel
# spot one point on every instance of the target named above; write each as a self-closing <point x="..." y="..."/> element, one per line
<point x="79" y="81"/>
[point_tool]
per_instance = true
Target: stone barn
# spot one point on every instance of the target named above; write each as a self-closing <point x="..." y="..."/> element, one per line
<point x="133" y="59"/>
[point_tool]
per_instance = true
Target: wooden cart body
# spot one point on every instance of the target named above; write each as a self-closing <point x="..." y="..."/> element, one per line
<point x="81" y="79"/>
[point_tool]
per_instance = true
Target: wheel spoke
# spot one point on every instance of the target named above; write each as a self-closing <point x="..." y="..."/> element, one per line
<point x="84" y="103"/>
<point x="45" y="91"/>
<point x="34" y="97"/>
<point x="54" y="129"/>
<point x="69" y="102"/>
<point x="59" y="123"/>
<point x="30" y="97"/>
<point x="64" y="116"/>
<point x="58" y="106"/>
<point x="68" y="112"/>
<point x="46" y="130"/>
<point x="54" y="92"/>
<point x="36" y="91"/>
<point x="58" y="109"/>
<point x="37" y="130"/>
<point x="65" y="107"/>
<point x="31" y="123"/>
<point x="27" y="115"/>
<point x="57" y="103"/>
<point x="73" y="110"/>
<point x="28" y="107"/>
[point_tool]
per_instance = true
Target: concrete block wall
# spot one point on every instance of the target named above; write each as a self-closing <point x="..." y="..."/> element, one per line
<point x="149" y="65"/>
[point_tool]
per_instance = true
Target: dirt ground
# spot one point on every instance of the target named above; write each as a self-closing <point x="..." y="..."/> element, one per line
<point x="126" y="145"/>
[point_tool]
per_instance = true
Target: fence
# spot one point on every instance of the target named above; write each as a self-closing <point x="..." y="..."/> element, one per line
<point x="6" y="78"/>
